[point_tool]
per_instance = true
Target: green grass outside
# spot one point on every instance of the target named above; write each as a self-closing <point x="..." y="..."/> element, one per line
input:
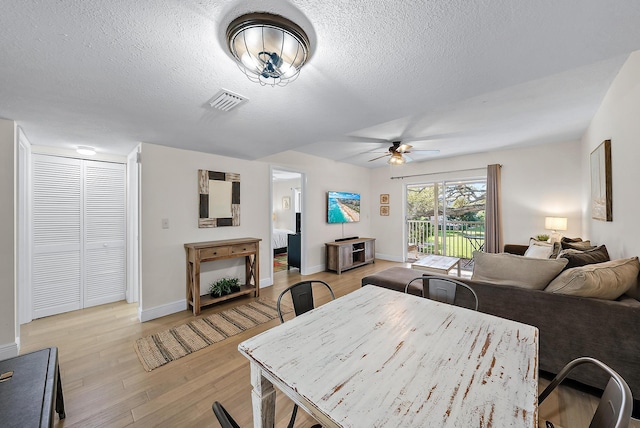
<point x="457" y="244"/>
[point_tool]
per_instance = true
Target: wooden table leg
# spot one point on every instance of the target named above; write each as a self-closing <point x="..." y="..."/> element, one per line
<point x="263" y="399"/>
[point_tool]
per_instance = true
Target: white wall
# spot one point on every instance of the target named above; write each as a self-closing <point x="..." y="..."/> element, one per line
<point x="323" y="175"/>
<point x="285" y="219"/>
<point x="537" y="181"/>
<point x="8" y="320"/>
<point x="169" y="190"/>
<point x="618" y="120"/>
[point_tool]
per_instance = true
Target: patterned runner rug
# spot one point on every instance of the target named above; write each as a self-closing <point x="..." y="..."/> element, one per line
<point x="165" y="346"/>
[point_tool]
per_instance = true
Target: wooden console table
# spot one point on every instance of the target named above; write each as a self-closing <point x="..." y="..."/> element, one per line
<point x="349" y="254"/>
<point x="199" y="252"/>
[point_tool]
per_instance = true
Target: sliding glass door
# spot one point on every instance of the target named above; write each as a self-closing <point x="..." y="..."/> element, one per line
<point x="445" y="218"/>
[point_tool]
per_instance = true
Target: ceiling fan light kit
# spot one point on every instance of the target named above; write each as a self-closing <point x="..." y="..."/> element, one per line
<point x="396" y="159"/>
<point x="269" y="49"/>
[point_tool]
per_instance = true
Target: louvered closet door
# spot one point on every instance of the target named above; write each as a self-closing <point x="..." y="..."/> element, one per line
<point x="57" y="217"/>
<point x="104" y="232"/>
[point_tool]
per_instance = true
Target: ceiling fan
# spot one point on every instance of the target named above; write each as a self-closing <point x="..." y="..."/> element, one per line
<point x="398" y="153"/>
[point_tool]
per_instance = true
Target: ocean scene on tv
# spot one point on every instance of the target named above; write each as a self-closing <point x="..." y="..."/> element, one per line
<point x="343" y="207"/>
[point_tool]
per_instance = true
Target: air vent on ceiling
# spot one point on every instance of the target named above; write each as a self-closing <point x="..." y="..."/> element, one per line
<point x="226" y="100"/>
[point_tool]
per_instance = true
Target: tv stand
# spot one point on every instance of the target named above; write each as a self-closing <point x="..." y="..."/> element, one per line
<point x="351" y="253"/>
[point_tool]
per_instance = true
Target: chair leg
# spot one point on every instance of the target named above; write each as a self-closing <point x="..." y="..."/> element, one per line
<point x="293" y="416"/>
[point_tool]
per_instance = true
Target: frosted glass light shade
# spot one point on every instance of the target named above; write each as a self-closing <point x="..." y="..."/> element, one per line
<point x="268" y="48"/>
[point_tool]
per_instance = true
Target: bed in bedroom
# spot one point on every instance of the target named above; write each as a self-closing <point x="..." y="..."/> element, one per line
<point x="279" y="239"/>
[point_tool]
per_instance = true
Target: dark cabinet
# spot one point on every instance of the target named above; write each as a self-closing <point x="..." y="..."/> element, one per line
<point x="294" y="245"/>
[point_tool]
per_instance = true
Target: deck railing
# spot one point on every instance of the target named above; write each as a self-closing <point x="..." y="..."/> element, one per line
<point x="456" y="239"/>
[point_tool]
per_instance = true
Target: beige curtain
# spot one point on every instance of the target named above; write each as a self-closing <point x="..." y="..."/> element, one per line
<point x="493" y="241"/>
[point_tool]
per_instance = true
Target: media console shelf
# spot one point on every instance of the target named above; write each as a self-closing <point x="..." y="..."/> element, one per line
<point x="349" y="254"/>
<point x="199" y="252"/>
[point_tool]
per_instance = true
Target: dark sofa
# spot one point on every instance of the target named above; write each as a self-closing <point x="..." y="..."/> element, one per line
<point x="570" y="326"/>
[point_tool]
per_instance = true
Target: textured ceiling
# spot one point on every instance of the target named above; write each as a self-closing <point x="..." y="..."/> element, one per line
<point x="461" y="76"/>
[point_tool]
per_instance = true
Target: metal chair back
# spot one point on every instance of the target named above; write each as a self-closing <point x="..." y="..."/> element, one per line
<point x="616" y="404"/>
<point x="302" y="296"/>
<point x="443" y="290"/>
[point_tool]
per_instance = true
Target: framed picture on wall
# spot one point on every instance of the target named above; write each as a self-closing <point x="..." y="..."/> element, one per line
<point x="601" y="186"/>
<point x="384" y="198"/>
<point x="384" y="210"/>
<point x="286" y="202"/>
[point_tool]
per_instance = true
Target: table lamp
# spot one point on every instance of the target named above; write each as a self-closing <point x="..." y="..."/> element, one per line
<point x="554" y="224"/>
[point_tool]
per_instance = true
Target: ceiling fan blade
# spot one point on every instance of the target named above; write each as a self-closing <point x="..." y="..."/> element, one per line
<point x="407" y="158"/>
<point x="379" y="157"/>
<point x="402" y="148"/>
<point x="425" y="152"/>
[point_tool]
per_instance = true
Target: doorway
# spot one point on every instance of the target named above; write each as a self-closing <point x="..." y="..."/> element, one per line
<point x="286" y="221"/>
<point x="445" y="218"/>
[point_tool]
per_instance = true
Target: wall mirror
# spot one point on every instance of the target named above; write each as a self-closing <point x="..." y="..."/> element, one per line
<point x="219" y="198"/>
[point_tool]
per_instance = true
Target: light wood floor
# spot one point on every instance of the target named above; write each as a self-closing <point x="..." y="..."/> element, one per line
<point x="105" y="385"/>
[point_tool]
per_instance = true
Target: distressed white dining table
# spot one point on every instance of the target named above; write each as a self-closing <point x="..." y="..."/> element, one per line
<point x="380" y="358"/>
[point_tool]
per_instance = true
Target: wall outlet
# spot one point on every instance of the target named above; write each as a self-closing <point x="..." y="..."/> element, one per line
<point x="165" y="223"/>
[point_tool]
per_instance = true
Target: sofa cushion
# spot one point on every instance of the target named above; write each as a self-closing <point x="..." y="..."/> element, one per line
<point x="509" y="269"/>
<point x="608" y="280"/>
<point x="395" y="278"/>
<point x="576" y="245"/>
<point x="581" y="258"/>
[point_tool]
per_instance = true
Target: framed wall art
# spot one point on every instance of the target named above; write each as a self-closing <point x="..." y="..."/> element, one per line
<point x="384" y="198"/>
<point x="601" y="186"/>
<point x="219" y="198"/>
<point x="384" y="210"/>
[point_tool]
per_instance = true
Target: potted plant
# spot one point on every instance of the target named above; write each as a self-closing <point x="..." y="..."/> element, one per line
<point x="224" y="286"/>
<point x="543" y="238"/>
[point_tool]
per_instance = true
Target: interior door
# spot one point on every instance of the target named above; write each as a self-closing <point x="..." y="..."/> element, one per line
<point x="57" y="220"/>
<point x="78" y="234"/>
<point x="104" y="233"/>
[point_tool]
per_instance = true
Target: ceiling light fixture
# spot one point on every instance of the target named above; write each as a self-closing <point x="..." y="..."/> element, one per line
<point x="396" y="159"/>
<point x="268" y="48"/>
<point x="86" y="150"/>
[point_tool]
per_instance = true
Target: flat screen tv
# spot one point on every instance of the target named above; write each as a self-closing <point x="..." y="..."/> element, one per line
<point x="343" y="207"/>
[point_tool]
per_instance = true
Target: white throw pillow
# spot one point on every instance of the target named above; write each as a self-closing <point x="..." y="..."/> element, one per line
<point x="608" y="280"/>
<point x="539" y="251"/>
<point x="509" y="269"/>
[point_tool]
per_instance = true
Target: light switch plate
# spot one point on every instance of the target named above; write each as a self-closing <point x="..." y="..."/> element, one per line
<point x="165" y="223"/>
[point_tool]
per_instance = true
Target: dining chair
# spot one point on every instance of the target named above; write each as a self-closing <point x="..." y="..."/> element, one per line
<point x="616" y="404"/>
<point x="224" y="418"/>
<point x="443" y="290"/>
<point x="302" y="298"/>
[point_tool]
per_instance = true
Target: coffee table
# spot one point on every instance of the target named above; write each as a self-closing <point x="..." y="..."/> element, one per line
<point x="437" y="264"/>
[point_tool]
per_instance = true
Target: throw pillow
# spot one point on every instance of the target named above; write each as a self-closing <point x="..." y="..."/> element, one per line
<point x="509" y="269"/>
<point x="542" y="249"/>
<point x="576" y="245"/>
<point x="608" y="280"/>
<point x="581" y="258"/>
<point x="539" y="249"/>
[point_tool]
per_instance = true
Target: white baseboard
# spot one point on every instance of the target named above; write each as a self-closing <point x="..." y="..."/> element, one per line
<point x="266" y="282"/>
<point x="389" y="257"/>
<point x="9" y="350"/>
<point x="161" y="311"/>
<point x="314" y="269"/>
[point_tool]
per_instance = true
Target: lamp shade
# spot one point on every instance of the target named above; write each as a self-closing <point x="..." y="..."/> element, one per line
<point x="555" y="223"/>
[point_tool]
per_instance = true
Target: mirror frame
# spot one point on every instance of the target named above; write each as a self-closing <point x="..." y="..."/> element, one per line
<point x="203" y="189"/>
